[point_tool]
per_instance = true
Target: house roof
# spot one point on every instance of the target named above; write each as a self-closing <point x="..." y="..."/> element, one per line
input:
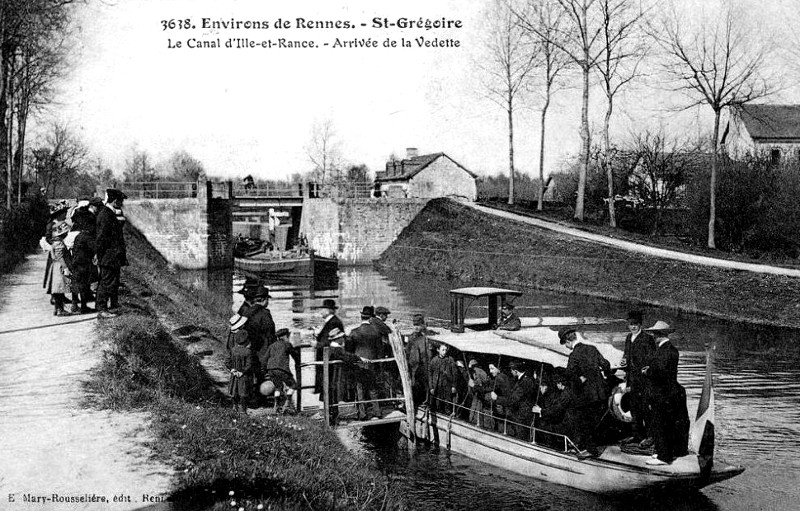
<point x="413" y="166"/>
<point x="771" y="121"/>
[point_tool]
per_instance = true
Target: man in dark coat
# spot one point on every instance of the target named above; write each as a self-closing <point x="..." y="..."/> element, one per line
<point x="388" y="374"/>
<point x="479" y="386"/>
<point x="260" y="325"/>
<point x="336" y="339"/>
<point x="519" y="402"/>
<point x="670" y="417"/>
<point x="331" y="321"/>
<point x="555" y="402"/>
<point x="587" y="370"/>
<point x="639" y="348"/>
<point x="500" y="386"/>
<point x="418" y="355"/>
<point x="111" y="253"/>
<point x="442" y="377"/>
<point x="365" y="341"/>
<point x="508" y="318"/>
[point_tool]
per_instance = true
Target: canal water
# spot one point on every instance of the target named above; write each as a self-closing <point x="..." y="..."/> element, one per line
<point x="757" y="391"/>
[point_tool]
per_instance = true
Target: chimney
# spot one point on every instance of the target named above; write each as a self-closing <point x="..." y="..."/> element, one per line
<point x="411" y="152"/>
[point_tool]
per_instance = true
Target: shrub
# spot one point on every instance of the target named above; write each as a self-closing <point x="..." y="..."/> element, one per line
<point x="20" y="229"/>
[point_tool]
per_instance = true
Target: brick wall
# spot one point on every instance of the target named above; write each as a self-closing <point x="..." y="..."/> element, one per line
<point x="357" y="231"/>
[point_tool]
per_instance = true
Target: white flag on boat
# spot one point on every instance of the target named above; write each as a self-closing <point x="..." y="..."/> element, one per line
<point x="702" y="434"/>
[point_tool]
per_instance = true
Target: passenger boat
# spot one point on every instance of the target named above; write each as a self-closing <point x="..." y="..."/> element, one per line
<point x="549" y="456"/>
<point x="295" y="263"/>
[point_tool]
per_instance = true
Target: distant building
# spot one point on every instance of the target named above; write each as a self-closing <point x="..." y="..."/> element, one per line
<point x="426" y="176"/>
<point x="765" y="130"/>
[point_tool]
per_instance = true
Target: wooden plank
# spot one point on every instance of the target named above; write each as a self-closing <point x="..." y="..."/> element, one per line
<point x="399" y="352"/>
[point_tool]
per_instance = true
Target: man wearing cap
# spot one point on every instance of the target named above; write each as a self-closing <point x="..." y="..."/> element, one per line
<point x="365" y="342"/>
<point x="111" y="253"/>
<point x="639" y="349"/>
<point x="330" y="321"/>
<point x="587" y="370"/>
<point x="519" y="401"/>
<point x="388" y="375"/>
<point x="275" y="361"/>
<point x="418" y="355"/>
<point x="670" y="423"/>
<point x="508" y="318"/>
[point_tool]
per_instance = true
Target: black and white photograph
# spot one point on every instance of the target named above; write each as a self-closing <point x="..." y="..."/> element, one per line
<point x="420" y="255"/>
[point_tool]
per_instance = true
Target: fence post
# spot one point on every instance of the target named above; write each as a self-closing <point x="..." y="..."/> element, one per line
<point x="326" y="387"/>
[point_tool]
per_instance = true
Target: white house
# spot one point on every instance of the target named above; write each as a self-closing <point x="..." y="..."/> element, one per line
<point x="772" y="130"/>
<point x="426" y="176"/>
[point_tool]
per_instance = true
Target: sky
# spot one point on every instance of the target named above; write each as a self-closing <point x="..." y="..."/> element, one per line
<point x="252" y="110"/>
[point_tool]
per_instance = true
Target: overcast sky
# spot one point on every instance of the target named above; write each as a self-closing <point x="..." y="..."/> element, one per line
<point x="251" y="111"/>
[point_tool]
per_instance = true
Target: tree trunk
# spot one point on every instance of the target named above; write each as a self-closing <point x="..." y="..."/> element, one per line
<point x="585" y="144"/>
<point x="540" y="206"/>
<point x="510" y="148"/>
<point x="712" y="207"/>
<point x="612" y="217"/>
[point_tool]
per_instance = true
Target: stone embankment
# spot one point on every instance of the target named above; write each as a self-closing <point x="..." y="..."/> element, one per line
<point x="454" y="240"/>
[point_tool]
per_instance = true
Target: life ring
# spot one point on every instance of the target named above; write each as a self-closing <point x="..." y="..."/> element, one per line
<point x="619" y="403"/>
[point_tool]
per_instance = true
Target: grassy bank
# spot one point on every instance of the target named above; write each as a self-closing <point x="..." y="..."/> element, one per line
<point x="277" y="463"/>
<point x="454" y="241"/>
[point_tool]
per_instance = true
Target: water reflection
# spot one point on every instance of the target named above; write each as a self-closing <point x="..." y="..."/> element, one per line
<point x="757" y="385"/>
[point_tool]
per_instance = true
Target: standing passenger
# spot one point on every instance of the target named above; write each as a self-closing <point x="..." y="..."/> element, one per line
<point x="443" y="374"/>
<point x="519" y="402"/>
<point x="337" y="375"/>
<point x="587" y="370"/>
<point x="387" y="374"/>
<point x="365" y="342"/>
<point x="479" y="385"/>
<point x="670" y="416"/>
<point x="501" y="386"/>
<point x="639" y="349"/>
<point x="419" y="356"/>
<point x="331" y="321"/>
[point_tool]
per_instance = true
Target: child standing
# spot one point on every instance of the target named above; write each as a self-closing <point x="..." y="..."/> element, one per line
<point x="241" y="366"/>
<point x="60" y="281"/>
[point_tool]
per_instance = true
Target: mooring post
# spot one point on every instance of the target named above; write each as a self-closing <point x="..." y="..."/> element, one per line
<point x="396" y="343"/>
<point x="326" y="357"/>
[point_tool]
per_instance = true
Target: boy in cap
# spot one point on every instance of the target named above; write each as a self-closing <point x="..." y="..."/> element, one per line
<point x="275" y="362"/>
<point x="337" y="373"/>
<point x="240" y="364"/>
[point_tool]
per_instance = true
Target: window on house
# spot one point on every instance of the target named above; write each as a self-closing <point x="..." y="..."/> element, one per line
<point x="775" y="156"/>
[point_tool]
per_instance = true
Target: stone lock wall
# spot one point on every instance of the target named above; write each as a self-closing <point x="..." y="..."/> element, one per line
<point x="356" y="231"/>
<point x="192" y="233"/>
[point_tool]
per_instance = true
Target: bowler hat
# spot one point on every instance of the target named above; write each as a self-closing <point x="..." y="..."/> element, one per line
<point x="261" y="292"/>
<point x="418" y="319"/>
<point x="635" y="317"/>
<point x="380" y="309"/>
<point x="368" y="311"/>
<point x="283" y="332"/>
<point x="328" y="303"/>
<point x="661" y="327"/>
<point x="237" y="321"/>
<point x="240" y="337"/>
<point x="564" y="333"/>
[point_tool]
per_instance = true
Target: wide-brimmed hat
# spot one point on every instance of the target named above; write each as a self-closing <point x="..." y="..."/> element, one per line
<point x="635" y="317"/>
<point x="237" y="321"/>
<point x="240" y="337"/>
<point x="283" y="332"/>
<point x="368" y="311"/>
<point x="335" y="333"/>
<point x="380" y="309"/>
<point x="418" y="320"/>
<point x="328" y="303"/>
<point x="564" y="333"/>
<point x="61" y="228"/>
<point x="472" y="362"/>
<point x="660" y="327"/>
<point x="114" y="194"/>
<point x="260" y="292"/>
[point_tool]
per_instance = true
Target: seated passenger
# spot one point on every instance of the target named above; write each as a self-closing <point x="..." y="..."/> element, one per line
<point x="508" y="318"/>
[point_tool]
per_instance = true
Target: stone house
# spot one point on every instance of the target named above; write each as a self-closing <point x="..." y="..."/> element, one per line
<point x="771" y="130"/>
<point x="426" y="176"/>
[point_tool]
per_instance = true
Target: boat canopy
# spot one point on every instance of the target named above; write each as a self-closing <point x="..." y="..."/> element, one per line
<point x="458" y="308"/>
<point x="478" y="292"/>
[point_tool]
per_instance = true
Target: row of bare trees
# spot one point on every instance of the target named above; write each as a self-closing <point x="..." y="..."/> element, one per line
<point x="34" y="37"/>
<point x="711" y="57"/>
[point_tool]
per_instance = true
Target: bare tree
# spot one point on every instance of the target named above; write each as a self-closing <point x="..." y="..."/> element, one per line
<point x="717" y="62"/>
<point x="623" y="51"/>
<point x="59" y="158"/>
<point x="548" y="17"/>
<point x="511" y="56"/>
<point x="324" y="150"/>
<point x="182" y="166"/>
<point x="138" y="166"/>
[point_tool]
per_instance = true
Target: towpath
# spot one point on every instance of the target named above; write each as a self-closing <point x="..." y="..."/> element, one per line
<point x="49" y="444"/>
<point x="636" y="247"/>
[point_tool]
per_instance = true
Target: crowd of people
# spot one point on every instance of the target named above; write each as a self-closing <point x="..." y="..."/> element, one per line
<point x="544" y="403"/>
<point x="86" y="251"/>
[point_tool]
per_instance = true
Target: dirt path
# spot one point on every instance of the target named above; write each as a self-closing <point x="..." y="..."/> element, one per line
<point x="49" y="444"/>
<point x="635" y="247"/>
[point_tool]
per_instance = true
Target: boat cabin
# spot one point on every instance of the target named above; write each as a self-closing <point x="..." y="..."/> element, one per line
<point x="463" y="298"/>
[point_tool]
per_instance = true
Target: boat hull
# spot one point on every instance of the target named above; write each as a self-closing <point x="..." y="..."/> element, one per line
<point x="295" y="266"/>
<point x="614" y="472"/>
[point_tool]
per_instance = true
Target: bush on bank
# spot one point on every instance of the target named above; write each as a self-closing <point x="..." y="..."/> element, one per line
<point x="21" y="227"/>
